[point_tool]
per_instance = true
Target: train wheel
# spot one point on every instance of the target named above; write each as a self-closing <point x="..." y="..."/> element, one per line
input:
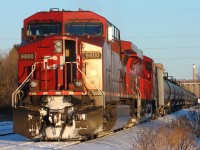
<point x="89" y="137"/>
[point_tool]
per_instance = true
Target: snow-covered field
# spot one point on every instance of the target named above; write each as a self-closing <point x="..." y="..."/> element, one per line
<point x="117" y="141"/>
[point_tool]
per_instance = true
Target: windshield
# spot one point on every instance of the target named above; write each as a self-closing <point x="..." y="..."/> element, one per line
<point x="83" y="29"/>
<point x="43" y="29"/>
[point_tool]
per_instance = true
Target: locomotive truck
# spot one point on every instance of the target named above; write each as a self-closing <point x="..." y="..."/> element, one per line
<point x="77" y="79"/>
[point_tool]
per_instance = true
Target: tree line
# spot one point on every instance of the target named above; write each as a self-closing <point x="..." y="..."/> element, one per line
<point x="8" y="80"/>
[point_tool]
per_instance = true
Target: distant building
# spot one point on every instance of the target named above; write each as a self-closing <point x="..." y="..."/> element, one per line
<point x="191" y="85"/>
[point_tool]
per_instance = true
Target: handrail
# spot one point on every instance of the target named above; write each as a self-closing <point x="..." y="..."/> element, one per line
<point x="137" y="88"/>
<point x="90" y="81"/>
<point x="18" y="90"/>
<point x="138" y="98"/>
<point x="22" y="85"/>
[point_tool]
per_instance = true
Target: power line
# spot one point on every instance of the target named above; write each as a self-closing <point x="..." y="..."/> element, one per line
<point x="9" y="39"/>
<point x="178" y="47"/>
<point x="166" y="36"/>
<point x="177" y="58"/>
<point x="4" y="49"/>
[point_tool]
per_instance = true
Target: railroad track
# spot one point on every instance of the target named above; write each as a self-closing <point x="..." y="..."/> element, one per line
<point x="27" y="144"/>
<point x="6" y="124"/>
<point x="39" y="144"/>
<point x="5" y="134"/>
<point x="6" y="131"/>
<point x="68" y="145"/>
<point x="16" y="146"/>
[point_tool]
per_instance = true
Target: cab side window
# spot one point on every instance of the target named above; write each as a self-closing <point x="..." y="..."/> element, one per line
<point x="148" y="66"/>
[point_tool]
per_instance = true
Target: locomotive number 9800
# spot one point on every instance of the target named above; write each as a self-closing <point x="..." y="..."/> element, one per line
<point x="91" y="55"/>
<point x="27" y="56"/>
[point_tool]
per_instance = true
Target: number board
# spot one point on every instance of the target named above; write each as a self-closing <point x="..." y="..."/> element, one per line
<point x="91" y="55"/>
<point x="27" y="56"/>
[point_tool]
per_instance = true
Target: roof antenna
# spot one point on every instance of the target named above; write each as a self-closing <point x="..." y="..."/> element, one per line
<point x="54" y="9"/>
<point x="80" y="9"/>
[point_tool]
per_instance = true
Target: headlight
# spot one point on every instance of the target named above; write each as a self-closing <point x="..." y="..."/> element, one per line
<point x="33" y="84"/>
<point x="58" y="46"/>
<point x="78" y="83"/>
<point x="58" y="43"/>
<point x="58" y="49"/>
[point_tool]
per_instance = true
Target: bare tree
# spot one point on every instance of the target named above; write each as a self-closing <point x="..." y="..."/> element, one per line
<point x="8" y="75"/>
<point x="194" y="115"/>
<point x="8" y="81"/>
<point x="147" y="138"/>
<point x="179" y="135"/>
<point x="176" y="135"/>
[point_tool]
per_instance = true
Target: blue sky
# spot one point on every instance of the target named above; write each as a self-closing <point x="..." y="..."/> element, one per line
<point x="166" y="30"/>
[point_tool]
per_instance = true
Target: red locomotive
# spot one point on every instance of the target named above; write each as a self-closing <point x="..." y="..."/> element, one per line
<point x="77" y="78"/>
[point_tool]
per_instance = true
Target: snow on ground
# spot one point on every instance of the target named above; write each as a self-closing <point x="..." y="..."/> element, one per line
<point x="118" y="141"/>
<point x="122" y="140"/>
<point x="6" y="127"/>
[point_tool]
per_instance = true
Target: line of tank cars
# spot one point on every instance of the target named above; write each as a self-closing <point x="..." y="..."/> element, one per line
<point x="77" y="79"/>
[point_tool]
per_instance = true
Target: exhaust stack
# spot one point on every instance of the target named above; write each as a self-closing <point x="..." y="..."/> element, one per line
<point x="194" y="72"/>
